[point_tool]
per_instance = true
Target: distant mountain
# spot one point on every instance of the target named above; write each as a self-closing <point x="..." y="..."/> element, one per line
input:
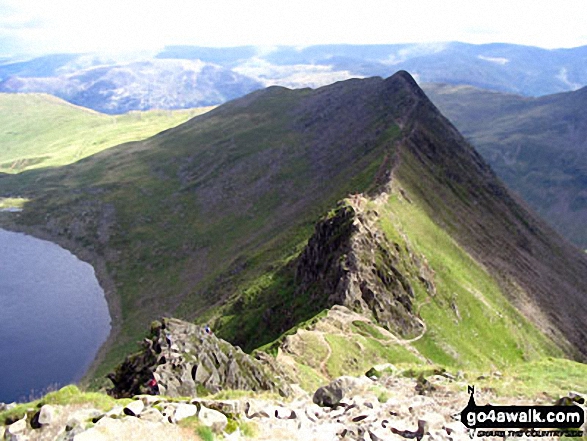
<point x="504" y="67"/>
<point x="538" y="146"/>
<point x="189" y="76"/>
<point x="46" y="66"/>
<point x="143" y="85"/>
<point x="263" y="212"/>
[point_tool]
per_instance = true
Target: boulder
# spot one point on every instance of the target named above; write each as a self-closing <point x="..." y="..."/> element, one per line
<point x="332" y="394"/>
<point x="135" y="408"/>
<point x="183" y="411"/>
<point x="16" y="428"/>
<point x="328" y="396"/>
<point x="211" y="418"/>
<point x="152" y="414"/>
<point x="46" y="414"/>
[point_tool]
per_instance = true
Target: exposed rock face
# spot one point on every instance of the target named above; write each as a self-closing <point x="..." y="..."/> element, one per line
<point x="352" y="262"/>
<point x="184" y="359"/>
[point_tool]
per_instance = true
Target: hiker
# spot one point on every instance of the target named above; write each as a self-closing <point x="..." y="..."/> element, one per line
<point x="153" y="387"/>
<point x="208" y="330"/>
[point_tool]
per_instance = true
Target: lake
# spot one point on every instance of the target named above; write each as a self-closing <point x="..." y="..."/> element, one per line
<point x="53" y="317"/>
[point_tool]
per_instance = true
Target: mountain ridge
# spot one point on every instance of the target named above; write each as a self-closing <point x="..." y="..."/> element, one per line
<point x="213" y="214"/>
<point x="188" y="76"/>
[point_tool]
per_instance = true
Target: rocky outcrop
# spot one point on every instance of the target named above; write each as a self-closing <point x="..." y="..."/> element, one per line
<point x="350" y="261"/>
<point x="186" y="360"/>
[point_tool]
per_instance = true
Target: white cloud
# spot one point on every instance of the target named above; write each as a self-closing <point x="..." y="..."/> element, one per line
<point x="67" y="25"/>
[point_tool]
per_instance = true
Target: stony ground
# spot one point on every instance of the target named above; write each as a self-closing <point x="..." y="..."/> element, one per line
<point x="349" y="408"/>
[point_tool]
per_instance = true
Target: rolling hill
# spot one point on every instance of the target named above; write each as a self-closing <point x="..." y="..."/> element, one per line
<point x="43" y="131"/>
<point x="263" y="212"/>
<point x="536" y="145"/>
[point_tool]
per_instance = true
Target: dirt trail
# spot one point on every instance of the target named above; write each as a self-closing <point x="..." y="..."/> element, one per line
<point x="338" y="322"/>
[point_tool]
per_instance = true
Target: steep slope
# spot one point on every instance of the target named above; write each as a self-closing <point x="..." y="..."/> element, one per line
<point x="41" y="130"/>
<point x="209" y="221"/>
<point x="461" y="193"/>
<point x="536" y="145"/>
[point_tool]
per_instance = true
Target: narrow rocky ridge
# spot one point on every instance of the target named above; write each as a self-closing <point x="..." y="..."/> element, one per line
<point x="352" y="262"/>
<point x="188" y="360"/>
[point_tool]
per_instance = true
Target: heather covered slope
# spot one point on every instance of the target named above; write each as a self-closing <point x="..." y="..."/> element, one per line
<point x="536" y="145"/>
<point x="210" y="221"/>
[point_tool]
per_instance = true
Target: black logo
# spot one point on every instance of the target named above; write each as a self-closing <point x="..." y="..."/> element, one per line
<point x="520" y="417"/>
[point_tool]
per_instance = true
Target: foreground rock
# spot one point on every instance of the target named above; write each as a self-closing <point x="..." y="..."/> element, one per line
<point x="376" y="409"/>
<point x="184" y="360"/>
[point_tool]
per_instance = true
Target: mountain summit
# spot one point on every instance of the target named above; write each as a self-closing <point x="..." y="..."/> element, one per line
<point x="214" y="221"/>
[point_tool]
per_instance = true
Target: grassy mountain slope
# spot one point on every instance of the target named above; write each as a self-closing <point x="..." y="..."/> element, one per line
<point x="41" y="130"/>
<point x="172" y="216"/>
<point x="211" y="220"/>
<point x="536" y="145"/>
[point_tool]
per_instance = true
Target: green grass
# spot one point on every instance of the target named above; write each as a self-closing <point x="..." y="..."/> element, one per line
<point x="356" y="354"/>
<point x="43" y="131"/>
<point x="18" y="203"/>
<point x="68" y="395"/>
<point x="193" y="423"/>
<point x="470" y="322"/>
<point x="550" y="377"/>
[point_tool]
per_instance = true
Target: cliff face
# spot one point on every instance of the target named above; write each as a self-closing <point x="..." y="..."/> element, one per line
<point x="186" y="360"/>
<point x="352" y="262"/>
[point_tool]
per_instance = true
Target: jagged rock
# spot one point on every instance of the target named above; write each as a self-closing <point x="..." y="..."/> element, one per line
<point x="135" y="408"/>
<point x="350" y="262"/>
<point x="194" y="359"/>
<point x="211" y="418"/>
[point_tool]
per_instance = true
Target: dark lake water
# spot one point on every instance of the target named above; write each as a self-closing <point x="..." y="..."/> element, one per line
<point x="53" y="317"/>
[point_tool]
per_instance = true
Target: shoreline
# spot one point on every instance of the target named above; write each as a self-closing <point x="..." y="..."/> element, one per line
<point x="105" y="281"/>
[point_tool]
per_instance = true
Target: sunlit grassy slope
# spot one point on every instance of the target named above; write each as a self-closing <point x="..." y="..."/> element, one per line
<point x="40" y="130"/>
<point x="470" y="322"/>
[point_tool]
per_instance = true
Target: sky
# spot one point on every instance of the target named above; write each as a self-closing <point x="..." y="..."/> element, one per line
<point x="41" y="26"/>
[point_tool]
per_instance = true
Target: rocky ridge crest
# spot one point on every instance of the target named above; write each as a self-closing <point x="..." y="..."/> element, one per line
<point x="186" y="360"/>
<point x="351" y="260"/>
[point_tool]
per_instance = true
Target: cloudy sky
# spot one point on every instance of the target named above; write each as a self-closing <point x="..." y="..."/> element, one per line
<point x="41" y="26"/>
